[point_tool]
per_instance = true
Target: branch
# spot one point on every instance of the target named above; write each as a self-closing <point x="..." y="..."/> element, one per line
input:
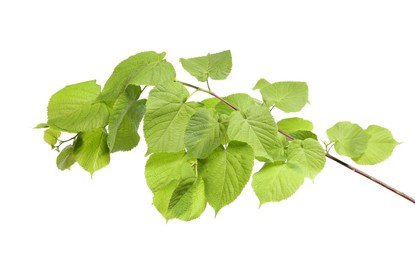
<point x="400" y="193"/>
<point x="356" y="170"/>
<point x="210" y="93"/>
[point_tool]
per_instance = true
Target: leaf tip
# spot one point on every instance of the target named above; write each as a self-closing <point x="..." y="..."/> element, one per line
<point x="216" y="212"/>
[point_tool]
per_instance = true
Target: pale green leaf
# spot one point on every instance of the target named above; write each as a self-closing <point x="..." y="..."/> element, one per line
<point x="41" y="125"/>
<point x="380" y="145"/>
<point x="145" y="68"/>
<point x="187" y="202"/>
<point x="287" y="96"/>
<point x="293" y="124"/>
<point x="277" y="181"/>
<point x="167" y="117"/>
<point x="204" y="133"/>
<point x="177" y="191"/>
<point x="349" y="139"/>
<point x="66" y="158"/>
<point x="255" y="127"/>
<point x="91" y="150"/>
<point x="226" y="172"/>
<point x="51" y="136"/>
<point x="163" y="168"/>
<point x="262" y="83"/>
<point x="210" y="102"/>
<point x="75" y="109"/>
<point x="124" y="120"/>
<point x="215" y="66"/>
<point x="278" y="152"/>
<point x="240" y="100"/>
<point x="302" y="135"/>
<point x="308" y="154"/>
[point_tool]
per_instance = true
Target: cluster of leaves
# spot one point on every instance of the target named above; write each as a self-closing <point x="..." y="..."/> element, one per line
<point x="200" y="152"/>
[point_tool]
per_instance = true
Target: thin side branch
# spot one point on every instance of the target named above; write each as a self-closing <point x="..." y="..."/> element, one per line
<point x="381" y="183"/>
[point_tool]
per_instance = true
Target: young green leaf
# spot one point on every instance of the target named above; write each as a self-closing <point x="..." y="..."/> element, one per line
<point x="210" y="102"/>
<point x="240" y="100"/>
<point x="277" y="181"/>
<point x="349" y="139"/>
<point x="204" y="133"/>
<point x="41" y="125"/>
<point x="75" y="109"/>
<point x="380" y="146"/>
<point x="215" y="66"/>
<point x="163" y="168"/>
<point x="167" y="117"/>
<point x="293" y="124"/>
<point x="302" y="135"/>
<point x="226" y="172"/>
<point x="145" y="68"/>
<point x="278" y="152"/>
<point x="51" y="136"/>
<point x="124" y="120"/>
<point x="187" y="202"/>
<point x="308" y="154"/>
<point x="177" y="191"/>
<point x="66" y="158"/>
<point x="91" y="150"/>
<point x="262" y="83"/>
<point x="287" y="96"/>
<point x="255" y="127"/>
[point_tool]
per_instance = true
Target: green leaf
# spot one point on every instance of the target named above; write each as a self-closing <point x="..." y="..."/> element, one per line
<point x="287" y="96"/>
<point x="41" y="125"/>
<point x="177" y="191"/>
<point x="204" y="133"/>
<point x="75" y="109"/>
<point x="293" y="124"/>
<point x="51" y="136"/>
<point x="163" y="168"/>
<point x="210" y="102"/>
<point x="167" y="117"/>
<point x="262" y="83"/>
<point x="349" y="139"/>
<point x="302" y="135"/>
<point x="255" y="127"/>
<point x="91" y="150"/>
<point x="145" y="68"/>
<point x="226" y="172"/>
<point x="66" y="158"/>
<point x="187" y="202"/>
<point x="277" y="181"/>
<point x="308" y="154"/>
<point x="278" y="152"/>
<point x="380" y="146"/>
<point x="124" y="120"/>
<point x="215" y="66"/>
<point x="240" y="100"/>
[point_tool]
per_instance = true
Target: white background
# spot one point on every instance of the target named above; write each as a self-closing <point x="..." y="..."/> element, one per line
<point x="358" y="58"/>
